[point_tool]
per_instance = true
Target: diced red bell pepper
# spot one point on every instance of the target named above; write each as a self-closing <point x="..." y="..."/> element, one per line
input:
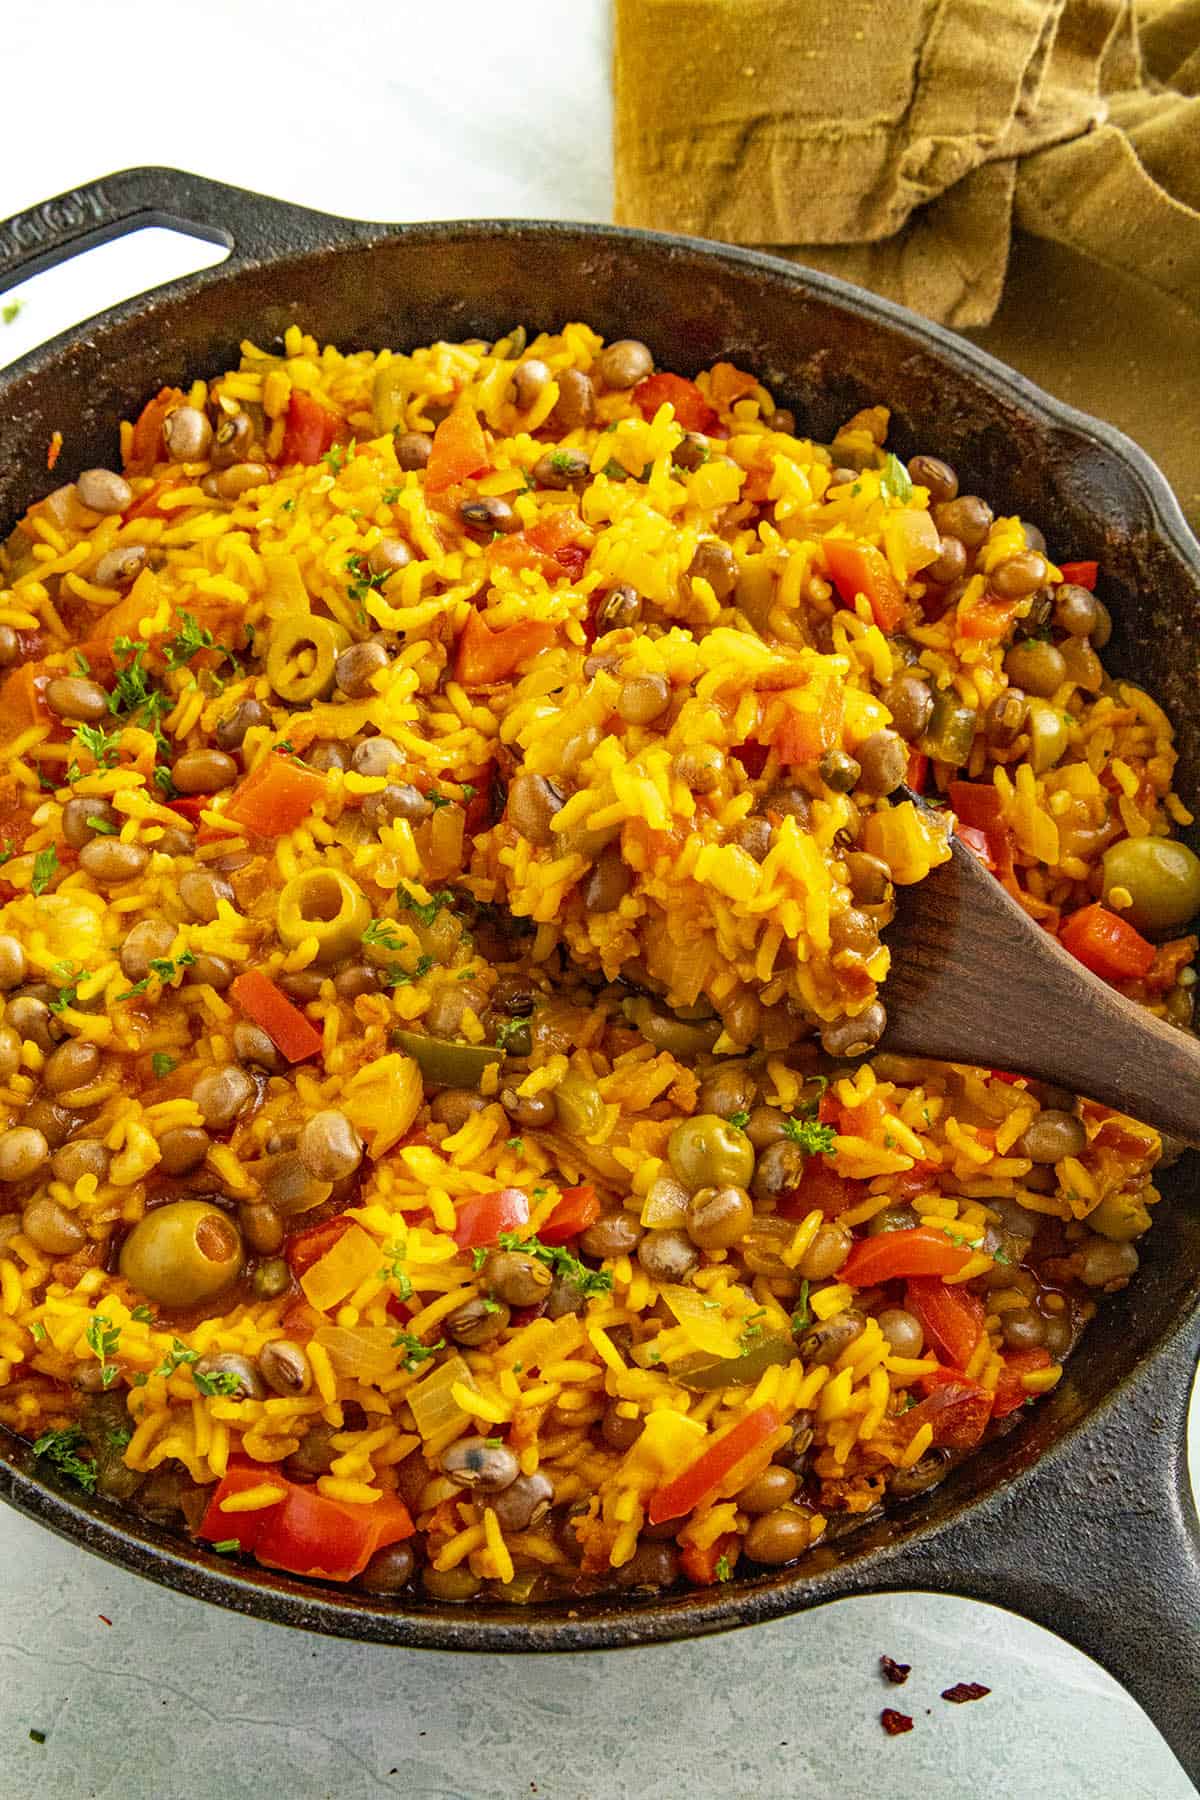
<point x="577" y="1209"/>
<point x="275" y="797"/>
<point x="310" y="431"/>
<point x="146" y="446"/>
<point x="481" y="1220"/>
<point x="952" y="1318"/>
<point x="486" y="657"/>
<point x="304" y="1248"/>
<point x="699" y="1563"/>
<point x="821" y="1185"/>
<point x="701" y="1479"/>
<point x="1081" y="574"/>
<point x="459" y="450"/>
<point x="1107" y="944"/>
<point x="957" y="1409"/>
<point x="917" y="772"/>
<point x="864" y="1120"/>
<point x="304" y="1532"/>
<point x="189" y="806"/>
<point x="977" y="807"/>
<point x="692" y="410"/>
<point x="898" y="1255"/>
<point x="1009" y="1392"/>
<point x="859" y="569"/>
<point x="294" y="1036"/>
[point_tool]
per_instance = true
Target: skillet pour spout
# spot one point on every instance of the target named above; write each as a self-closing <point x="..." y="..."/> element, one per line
<point x="1079" y="1517"/>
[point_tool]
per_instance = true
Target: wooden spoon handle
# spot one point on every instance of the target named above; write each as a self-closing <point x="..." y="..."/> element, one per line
<point x="974" y="979"/>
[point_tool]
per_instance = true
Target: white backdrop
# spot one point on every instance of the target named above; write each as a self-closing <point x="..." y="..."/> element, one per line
<point x="440" y="112"/>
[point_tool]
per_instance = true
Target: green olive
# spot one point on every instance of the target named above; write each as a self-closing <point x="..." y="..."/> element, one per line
<point x="302" y="656"/>
<point x="182" y="1253"/>
<point x="327" y="905"/>
<point x="1049" y="733"/>
<point x="1162" y="876"/>
<point x="579" y="1108"/>
<point x="707" y="1151"/>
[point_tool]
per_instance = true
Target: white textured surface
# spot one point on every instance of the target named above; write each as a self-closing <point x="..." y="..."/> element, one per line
<point x="176" y="1699"/>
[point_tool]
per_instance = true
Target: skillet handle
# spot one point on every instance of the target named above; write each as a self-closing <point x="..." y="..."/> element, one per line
<point x="1099" y="1544"/>
<point x="251" y="226"/>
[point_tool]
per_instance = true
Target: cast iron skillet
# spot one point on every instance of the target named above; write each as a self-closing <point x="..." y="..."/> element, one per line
<point x="1080" y="1518"/>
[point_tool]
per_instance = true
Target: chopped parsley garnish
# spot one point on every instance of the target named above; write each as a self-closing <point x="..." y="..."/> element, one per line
<point x="363" y="581"/>
<point x="392" y="1270"/>
<point x="382" y="935"/>
<point x="721" y="1569"/>
<point x="45" y="867"/>
<point x="8" y="852"/>
<point x="165" y="967"/>
<point x="586" y="1281"/>
<point x="478" y="1257"/>
<point x="176" y="1357"/>
<point x="468" y="791"/>
<point x="189" y="640"/>
<point x="119" y="1436"/>
<point x="11" y="311"/>
<point x="217" y="1381"/>
<point x="398" y="977"/>
<point x="894" y="480"/>
<point x="739" y="1120"/>
<point x="60" y="1447"/>
<point x="143" y="1315"/>
<point x="390" y="495"/>
<point x="82" y="663"/>
<point x="37" y="1332"/>
<point x="508" y="1029"/>
<point x="102" y="827"/>
<point x="224" y="1546"/>
<point x="751" y="1332"/>
<point x="69" y="978"/>
<point x="516" y="1145"/>
<point x="162" y="1064"/>
<point x="812" y="1138"/>
<point x="104" y="1338"/>
<point x="802" y="1317"/>
<point x="415" y="1352"/>
<point x="337" y="458"/>
<point x="100" y="745"/>
<point x="426" y="911"/>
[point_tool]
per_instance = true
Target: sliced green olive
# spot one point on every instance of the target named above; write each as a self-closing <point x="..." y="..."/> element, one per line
<point x="703" y="1375"/>
<point x="1049" y="733"/>
<point x="707" y="1151"/>
<point x="327" y="905"/>
<point x="445" y="1064"/>
<point x="182" y="1253"/>
<point x="951" y="729"/>
<point x="302" y="656"/>
<point x="578" y="1106"/>
<point x="1161" y="875"/>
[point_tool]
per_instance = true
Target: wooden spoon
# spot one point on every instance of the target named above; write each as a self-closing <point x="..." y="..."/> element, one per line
<point x="975" y="980"/>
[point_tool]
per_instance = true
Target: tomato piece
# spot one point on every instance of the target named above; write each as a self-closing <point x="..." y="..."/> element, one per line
<point x="858" y="569"/>
<point x="459" y="451"/>
<point x="23" y="698"/>
<point x="577" y="1209"/>
<point x="863" y="1120"/>
<point x="898" y="1255"/>
<point x="692" y="410"/>
<point x="1009" y="1393"/>
<point x="247" y="1527"/>
<point x="958" y="1411"/>
<point x="952" y="1318"/>
<point x="275" y="797"/>
<point x="310" y="430"/>
<point x="1081" y="574"/>
<point x="1107" y="944"/>
<point x="753" y="758"/>
<point x="701" y="1479"/>
<point x="485" y="657"/>
<point x="482" y="1219"/>
<point x="189" y="806"/>
<point x="304" y="1248"/>
<point x="555" y="531"/>
<point x="988" y="620"/>
<point x="146" y="445"/>
<point x="821" y="1185"/>
<point x="294" y="1036"/>
<point x="699" y="1564"/>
